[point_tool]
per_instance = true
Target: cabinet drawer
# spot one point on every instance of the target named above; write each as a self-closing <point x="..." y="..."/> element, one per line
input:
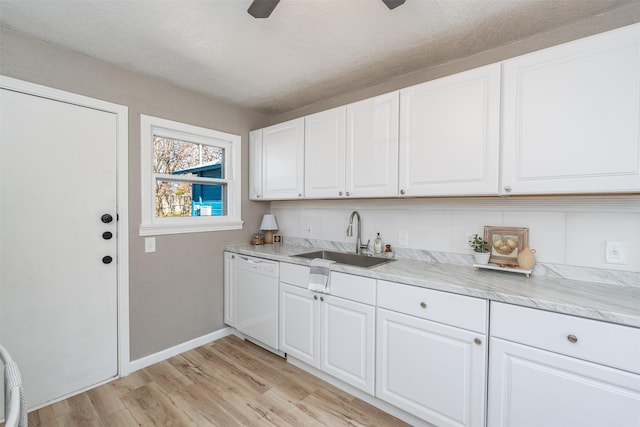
<point x="356" y="288"/>
<point x="452" y="309"/>
<point x="293" y="274"/>
<point x="592" y="340"/>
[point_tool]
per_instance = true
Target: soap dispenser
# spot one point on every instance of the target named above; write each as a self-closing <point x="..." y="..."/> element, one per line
<point x="377" y="244"/>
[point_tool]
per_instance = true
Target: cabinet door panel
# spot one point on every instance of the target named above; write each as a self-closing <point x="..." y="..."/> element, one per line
<point x="283" y="160"/>
<point x="324" y="152"/>
<point x="572" y="116"/>
<point x="298" y="324"/>
<point x="372" y="147"/>
<point x="449" y="134"/>
<point x="255" y="164"/>
<point x="529" y="387"/>
<point x="348" y="341"/>
<point x="433" y="371"/>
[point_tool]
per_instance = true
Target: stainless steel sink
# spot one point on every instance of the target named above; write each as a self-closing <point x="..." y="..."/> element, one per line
<point x="358" y="260"/>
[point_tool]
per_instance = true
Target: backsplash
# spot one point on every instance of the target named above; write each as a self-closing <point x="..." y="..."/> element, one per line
<point x="568" y="233"/>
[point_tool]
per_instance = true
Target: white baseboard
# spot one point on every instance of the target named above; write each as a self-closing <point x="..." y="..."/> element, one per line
<point x="143" y="362"/>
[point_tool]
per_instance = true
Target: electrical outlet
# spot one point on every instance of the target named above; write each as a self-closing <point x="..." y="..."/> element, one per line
<point x="309" y="230"/>
<point x="615" y="252"/>
<point x="403" y="237"/>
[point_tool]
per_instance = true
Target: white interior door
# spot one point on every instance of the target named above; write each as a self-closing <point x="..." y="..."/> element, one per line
<point x="58" y="296"/>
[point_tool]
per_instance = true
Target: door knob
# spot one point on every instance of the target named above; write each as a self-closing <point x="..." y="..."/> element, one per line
<point x="106" y="218"/>
<point x="107" y="259"/>
<point x="107" y="235"/>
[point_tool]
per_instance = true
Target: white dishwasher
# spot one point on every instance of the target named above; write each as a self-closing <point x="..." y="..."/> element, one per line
<point x="257" y="299"/>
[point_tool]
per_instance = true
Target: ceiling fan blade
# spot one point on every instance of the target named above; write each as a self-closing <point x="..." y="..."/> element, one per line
<point x="263" y="8"/>
<point x="392" y="4"/>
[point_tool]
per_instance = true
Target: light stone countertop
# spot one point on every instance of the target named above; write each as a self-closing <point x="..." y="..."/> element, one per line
<point x="610" y="303"/>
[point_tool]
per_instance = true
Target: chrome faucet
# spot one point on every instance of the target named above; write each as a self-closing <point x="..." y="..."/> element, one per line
<point x="359" y="245"/>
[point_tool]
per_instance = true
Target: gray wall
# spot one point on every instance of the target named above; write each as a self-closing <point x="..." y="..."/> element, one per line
<point x="176" y="292"/>
<point x="614" y="18"/>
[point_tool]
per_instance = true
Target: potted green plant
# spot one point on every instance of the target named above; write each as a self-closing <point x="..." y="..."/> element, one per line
<point x="480" y="248"/>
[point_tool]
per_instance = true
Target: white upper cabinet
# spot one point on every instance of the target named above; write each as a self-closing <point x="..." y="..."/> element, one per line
<point x="571" y="117"/>
<point x="324" y="153"/>
<point x="255" y="164"/>
<point x="449" y="135"/>
<point x="283" y="160"/>
<point x="372" y="147"/>
<point x="562" y="120"/>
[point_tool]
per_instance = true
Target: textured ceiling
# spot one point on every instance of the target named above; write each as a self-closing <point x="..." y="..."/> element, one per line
<point x="307" y="51"/>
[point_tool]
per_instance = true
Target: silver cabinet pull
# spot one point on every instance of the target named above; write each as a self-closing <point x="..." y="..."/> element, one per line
<point x="321" y="299"/>
<point x="507" y="189"/>
<point x="572" y="338"/>
<point x="339" y="193"/>
<point x="477" y="341"/>
<point x="423" y="304"/>
<point x="347" y="194"/>
<point x="402" y="192"/>
<point x="315" y="297"/>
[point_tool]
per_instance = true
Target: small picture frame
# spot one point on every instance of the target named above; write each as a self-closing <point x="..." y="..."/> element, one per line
<point x="277" y="238"/>
<point x="505" y="243"/>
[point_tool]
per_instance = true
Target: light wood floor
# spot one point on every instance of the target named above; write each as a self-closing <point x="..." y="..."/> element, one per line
<point x="226" y="383"/>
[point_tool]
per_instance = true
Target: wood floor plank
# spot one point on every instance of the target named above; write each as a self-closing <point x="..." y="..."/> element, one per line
<point x="229" y="382"/>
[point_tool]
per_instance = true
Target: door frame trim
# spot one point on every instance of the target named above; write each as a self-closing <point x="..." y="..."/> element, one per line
<point x="122" y="194"/>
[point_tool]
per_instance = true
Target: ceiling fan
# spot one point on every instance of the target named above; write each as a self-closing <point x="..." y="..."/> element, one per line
<point x="263" y="8"/>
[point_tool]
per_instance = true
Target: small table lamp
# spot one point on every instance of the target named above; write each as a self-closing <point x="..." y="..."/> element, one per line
<point x="269" y="224"/>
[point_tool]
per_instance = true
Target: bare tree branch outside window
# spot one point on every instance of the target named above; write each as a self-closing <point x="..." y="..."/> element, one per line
<point x="171" y="155"/>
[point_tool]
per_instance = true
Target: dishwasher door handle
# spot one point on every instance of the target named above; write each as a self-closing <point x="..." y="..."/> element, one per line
<point x="255" y="261"/>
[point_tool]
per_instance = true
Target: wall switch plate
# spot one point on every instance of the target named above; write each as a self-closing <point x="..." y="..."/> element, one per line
<point x="403" y="237"/>
<point x="309" y="230"/>
<point x="149" y="244"/>
<point x="615" y="252"/>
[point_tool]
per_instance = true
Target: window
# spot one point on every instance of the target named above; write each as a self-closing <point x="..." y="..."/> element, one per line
<point x="190" y="178"/>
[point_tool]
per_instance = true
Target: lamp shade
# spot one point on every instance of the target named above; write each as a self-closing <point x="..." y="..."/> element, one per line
<point x="269" y="222"/>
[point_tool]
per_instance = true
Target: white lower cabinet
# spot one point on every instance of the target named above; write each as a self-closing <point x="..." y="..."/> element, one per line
<point x="432" y="370"/>
<point x="298" y="324"/>
<point x="328" y="332"/>
<point x="426" y="352"/>
<point x="347" y="341"/>
<point x="549" y="369"/>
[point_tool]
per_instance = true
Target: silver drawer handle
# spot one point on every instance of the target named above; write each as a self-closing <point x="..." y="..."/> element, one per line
<point x="423" y="304"/>
<point x="572" y="338"/>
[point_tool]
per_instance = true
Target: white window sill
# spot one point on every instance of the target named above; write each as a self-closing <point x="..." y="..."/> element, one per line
<point x="160" y="229"/>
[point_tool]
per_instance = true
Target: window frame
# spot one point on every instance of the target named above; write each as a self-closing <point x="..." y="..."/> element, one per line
<point x="151" y="225"/>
